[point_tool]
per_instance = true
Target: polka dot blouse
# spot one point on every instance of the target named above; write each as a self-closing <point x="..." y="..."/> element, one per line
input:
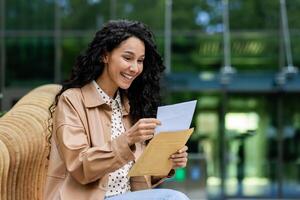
<point x="118" y="182"/>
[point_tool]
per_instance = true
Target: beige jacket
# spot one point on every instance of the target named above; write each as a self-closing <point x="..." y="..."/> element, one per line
<point x="82" y="152"/>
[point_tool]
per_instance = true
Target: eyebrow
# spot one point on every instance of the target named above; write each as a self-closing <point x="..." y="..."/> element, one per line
<point x="132" y="53"/>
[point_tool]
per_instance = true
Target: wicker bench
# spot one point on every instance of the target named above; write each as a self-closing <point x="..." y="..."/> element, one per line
<point x="23" y="145"/>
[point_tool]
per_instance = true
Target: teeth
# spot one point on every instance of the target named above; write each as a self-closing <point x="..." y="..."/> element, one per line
<point x="128" y="76"/>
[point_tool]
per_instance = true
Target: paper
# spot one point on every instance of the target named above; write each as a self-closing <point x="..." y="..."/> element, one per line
<point x="175" y="117"/>
<point x="155" y="158"/>
<point x="176" y="120"/>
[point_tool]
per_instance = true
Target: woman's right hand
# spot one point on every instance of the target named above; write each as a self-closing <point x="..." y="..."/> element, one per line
<point x="142" y="130"/>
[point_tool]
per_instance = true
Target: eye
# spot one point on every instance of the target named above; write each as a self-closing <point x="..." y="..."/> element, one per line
<point x="127" y="57"/>
<point x="141" y="61"/>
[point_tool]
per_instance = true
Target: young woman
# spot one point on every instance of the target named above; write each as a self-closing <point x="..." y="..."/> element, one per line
<point x="103" y="116"/>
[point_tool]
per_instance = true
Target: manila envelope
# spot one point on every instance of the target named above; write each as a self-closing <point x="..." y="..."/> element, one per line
<point x="155" y="160"/>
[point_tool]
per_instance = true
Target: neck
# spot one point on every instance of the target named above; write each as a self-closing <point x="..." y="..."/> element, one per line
<point x="107" y="87"/>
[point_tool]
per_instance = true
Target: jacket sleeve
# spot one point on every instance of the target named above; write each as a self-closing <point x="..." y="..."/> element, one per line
<point x="85" y="163"/>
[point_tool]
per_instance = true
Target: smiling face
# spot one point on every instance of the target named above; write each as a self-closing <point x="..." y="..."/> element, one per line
<point x="122" y="65"/>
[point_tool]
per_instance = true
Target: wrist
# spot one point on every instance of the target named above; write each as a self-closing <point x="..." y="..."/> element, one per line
<point x="128" y="140"/>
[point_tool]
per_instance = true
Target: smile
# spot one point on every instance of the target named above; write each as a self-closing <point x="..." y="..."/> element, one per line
<point x="129" y="77"/>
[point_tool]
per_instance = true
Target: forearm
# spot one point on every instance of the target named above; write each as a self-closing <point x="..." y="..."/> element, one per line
<point x="87" y="164"/>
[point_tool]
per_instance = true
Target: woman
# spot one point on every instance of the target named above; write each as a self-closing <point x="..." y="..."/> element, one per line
<point x="103" y="117"/>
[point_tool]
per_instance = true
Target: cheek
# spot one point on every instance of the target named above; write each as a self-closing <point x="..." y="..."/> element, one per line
<point x="123" y="63"/>
<point x="118" y="66"/>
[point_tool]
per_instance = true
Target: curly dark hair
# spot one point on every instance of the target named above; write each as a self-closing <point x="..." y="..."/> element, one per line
<point x="143" y="93"/>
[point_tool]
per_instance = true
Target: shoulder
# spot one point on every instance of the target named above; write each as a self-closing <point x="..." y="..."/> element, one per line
<point x="71" y="93"/>
<point x="71" y="96"/>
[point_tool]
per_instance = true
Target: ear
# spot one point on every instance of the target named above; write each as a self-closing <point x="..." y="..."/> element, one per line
<point x="105" y="58"/>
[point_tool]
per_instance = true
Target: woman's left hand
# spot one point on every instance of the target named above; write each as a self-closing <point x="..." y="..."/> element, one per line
<point x="180" y="158"/>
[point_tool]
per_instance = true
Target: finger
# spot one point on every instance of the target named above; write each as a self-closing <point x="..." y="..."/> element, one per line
<point x="179" y="160"/>
<point x="147" y="137"/>
<point x="183" y="149"/>
<point x="179" y="165"/>
<point x="147" y="126"/>
<point x="146" y="132"/>
<point x="150" y="120"/>
<point x="179" y="155"/>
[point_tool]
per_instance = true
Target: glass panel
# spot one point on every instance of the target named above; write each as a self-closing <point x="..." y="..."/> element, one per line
<point x="83" y="15"/>
<point x="294" y="25"/>
<point x="291" y="148"/>
<point x="255" y="51"/>
<point x="254" y="36"/>
<point x="71" y="48"/>
<point x="292" y="8"/>
<point x="295" y="41"/>
<point x="151" y="12"/>
<point x="29" y="61"/>
<point x="207" y="136"/>
<point x="254" y="15"/>
<point x="250" y="51"/>
<point x="203" y="15"/>
<point x="251" y="137"/>
<point x="196" y="38"/>
<point x="195" y="53"/>
<point x="159" y="41"/>
<point x="29" y="15"/>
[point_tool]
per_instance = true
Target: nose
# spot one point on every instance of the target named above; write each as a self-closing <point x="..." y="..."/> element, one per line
<point x="134" y="67"/>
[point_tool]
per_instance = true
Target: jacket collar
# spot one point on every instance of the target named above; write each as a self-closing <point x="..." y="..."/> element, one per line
<point x="91" y="98"/>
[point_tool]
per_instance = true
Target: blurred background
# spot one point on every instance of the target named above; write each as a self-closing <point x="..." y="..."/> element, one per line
<point x="236" y="57"/>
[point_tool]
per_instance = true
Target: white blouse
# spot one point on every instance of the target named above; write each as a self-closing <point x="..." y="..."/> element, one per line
<point x="118" y="182"/>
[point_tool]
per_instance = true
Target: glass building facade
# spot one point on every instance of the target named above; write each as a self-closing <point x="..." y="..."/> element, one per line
<point x="246" y="141"/>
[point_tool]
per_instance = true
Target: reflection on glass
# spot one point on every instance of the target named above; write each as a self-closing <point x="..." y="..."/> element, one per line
<point x="204" y="15"/>
<point x="29" y="15"/>
<point x="291" y="147"/>
<point x="196" y="52"/>
<point x="206" y="133"/>
<point x="241" y="126"/>
<point x="71" y="48"/>
<point x="265" y="14"/>
<point x="139" y="10"/>
<point x="30" y="61"/>
<point x="84" y="15"/>
<point x="241" y="122"/>
<point x="207" y="129"/>
<point x="251" y="166"/>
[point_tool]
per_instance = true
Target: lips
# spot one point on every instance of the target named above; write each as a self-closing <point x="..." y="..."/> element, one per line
<point x="127" y="76"/>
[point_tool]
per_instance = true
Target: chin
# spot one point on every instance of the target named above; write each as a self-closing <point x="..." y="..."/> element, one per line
<point x="124" y="86"/>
